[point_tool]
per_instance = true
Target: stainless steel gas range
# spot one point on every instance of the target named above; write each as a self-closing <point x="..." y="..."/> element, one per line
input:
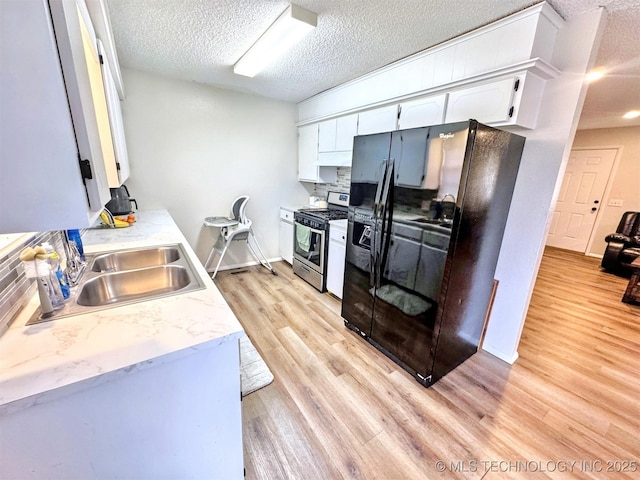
<point x="311" y="238"/>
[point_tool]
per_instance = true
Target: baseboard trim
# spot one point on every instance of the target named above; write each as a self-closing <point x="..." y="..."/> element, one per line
<point x="510" y="359"/>
<point x="243" y="265"/>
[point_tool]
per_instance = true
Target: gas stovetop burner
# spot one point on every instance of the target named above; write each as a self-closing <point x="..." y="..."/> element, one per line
<point x="320" y="217"/>
<point x="327" y="214"/>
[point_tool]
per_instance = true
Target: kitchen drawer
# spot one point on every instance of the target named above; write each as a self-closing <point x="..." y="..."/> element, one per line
<point x="436" y="240"/>
<point x="286" y="215"/>
<point x="407" y="231"/>
<point x="338" y="233"/>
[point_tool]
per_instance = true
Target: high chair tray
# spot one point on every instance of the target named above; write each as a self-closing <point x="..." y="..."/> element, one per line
<point x="219" y="222"/>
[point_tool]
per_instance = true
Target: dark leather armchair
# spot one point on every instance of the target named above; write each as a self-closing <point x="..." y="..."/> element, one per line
<point x="623" y="247"/>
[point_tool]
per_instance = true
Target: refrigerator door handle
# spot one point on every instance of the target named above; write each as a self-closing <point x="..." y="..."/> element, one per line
<point x="373" y="252"/>
<point x="376" y="200"/>
<point x="386" y="211"/>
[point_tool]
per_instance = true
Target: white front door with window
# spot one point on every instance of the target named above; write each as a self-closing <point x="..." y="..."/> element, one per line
<point x="580" y="198"/>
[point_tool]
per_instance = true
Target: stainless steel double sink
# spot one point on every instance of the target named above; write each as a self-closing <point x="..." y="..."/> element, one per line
<point x="127" y="276"/>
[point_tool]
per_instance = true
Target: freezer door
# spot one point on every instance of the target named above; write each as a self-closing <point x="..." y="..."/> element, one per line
<point x="370" y="157"/>
<point x="370" y="154"/>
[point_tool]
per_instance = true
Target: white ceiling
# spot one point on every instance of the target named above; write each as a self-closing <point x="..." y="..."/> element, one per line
<point x="200" y="40"/>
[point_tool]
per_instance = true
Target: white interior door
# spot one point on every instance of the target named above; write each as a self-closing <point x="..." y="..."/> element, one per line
<point x="580" y="198"/>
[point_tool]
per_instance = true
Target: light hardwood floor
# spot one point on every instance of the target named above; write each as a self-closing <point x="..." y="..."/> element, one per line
<point x="339" y="409"/>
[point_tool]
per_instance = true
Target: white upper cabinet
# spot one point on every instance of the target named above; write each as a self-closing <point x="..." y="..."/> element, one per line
<point x="522" y="41"/>
<point x="118" y="170"/>
<point x="335" y="141"/>
<point x="98" y="98"/>
<point x="422" y="112"/>
<point x="495" y="74"/>
<point x="512" y="100"/>
<point x="308" y="169"/>
<point x="378" y="120"/>
<point x="346" y="129"/>
<point x="308" y="153"/>
<point x="102" y="25"/>
<point x="488" y="103"/>
<point x="53" y="173"/>
<point x="327" y="136"/>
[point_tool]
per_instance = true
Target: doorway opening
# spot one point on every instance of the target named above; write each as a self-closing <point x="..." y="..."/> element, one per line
<point x="585" y="184"/>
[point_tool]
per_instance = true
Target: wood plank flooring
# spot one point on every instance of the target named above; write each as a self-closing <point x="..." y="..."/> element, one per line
<point x="338" y="409"/>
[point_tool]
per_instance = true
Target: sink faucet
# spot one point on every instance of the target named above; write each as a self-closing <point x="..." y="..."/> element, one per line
<point x="75" y="264"/>
<point x="448" y="211"/>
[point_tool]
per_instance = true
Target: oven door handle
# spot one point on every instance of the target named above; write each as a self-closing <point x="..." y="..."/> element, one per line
<point x="319" y="232"/>
<point x="313" y="230"/>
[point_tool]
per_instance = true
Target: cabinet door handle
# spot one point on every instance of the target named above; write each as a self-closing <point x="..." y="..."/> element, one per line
<point x="85" y="169"/>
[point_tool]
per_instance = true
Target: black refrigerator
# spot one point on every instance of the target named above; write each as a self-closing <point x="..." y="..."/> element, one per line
<point x="427" y="213"/>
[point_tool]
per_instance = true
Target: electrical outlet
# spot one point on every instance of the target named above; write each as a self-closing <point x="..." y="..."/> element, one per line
<point x="616" y="202"/>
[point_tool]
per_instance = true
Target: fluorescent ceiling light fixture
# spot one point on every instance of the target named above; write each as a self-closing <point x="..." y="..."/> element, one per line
<point x="594" y="75"/>
<point x="632" y="114"/>
<point x="293" y="24"/>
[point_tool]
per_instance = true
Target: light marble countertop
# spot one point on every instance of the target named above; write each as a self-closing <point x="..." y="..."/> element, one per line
<point x="40" y="359"/>
<point x="293" y="208"/>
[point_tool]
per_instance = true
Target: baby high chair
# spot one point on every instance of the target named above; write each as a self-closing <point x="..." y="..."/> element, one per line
<point x="234" y="228"/>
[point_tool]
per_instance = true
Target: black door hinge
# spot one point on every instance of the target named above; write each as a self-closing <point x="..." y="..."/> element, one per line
<point x="516" y="85"/>
<point x="511" y="112"/>
<point x="118" y="166"/>
<point x="101" y="60"/>
<point x="85" y="169"/>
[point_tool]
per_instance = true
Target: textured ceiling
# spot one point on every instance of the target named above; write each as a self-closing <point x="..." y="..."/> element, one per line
<point x="200" y="40"/>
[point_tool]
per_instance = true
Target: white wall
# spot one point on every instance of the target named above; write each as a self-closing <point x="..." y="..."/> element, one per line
<point x="193" y="149"/>
<point x="624" y="182"/>
<point x="543" y="162"/>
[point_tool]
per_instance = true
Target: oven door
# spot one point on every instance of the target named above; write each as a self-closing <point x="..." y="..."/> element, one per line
<point x="309" y="246"/>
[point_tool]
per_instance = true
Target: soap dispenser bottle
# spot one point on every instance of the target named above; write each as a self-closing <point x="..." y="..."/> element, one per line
<point x="54" y="262"/>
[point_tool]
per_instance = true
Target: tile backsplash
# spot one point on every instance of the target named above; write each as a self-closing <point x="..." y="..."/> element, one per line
<point x="343" y="183"/>
<point x="15" y="288"/>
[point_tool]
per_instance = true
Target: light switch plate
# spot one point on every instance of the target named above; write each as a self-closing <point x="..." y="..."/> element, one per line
<point x="616" y="202"/>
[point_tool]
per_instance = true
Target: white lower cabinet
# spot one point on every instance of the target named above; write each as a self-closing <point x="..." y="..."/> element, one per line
<point x="337" y="253"/>
<point x="286" y="234"/>
<point x="119" y="418"/>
